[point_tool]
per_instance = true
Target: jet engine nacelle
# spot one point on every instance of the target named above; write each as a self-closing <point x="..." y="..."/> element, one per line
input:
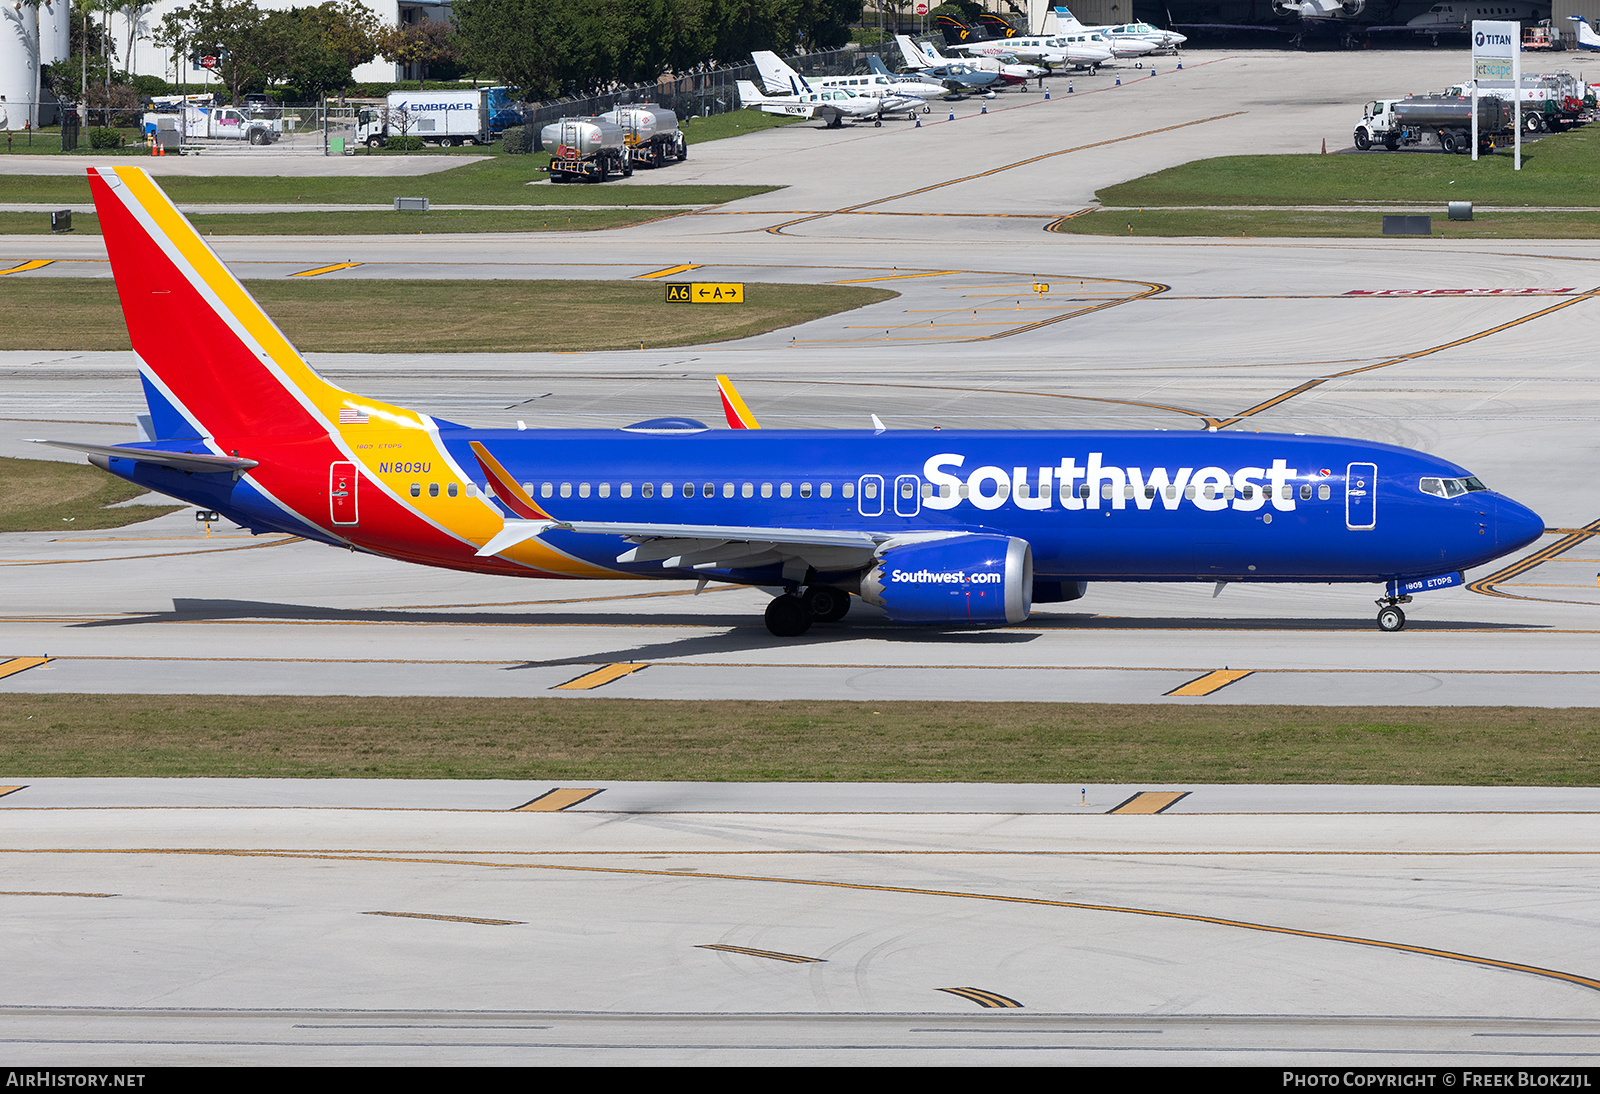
<point x="1353" y="8"/>
<point x="968" y="578"/>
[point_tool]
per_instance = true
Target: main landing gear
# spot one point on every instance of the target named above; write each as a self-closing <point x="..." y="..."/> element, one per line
<point x="791" y="615"/>
<point x="1390" y="617"/>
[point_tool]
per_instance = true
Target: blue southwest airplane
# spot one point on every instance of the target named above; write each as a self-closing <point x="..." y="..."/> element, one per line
<point x="935" y="527"/>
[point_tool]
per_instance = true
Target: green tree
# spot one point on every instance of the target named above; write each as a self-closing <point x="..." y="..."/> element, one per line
<point x="511" y="41"/>
<point x="423" y="44"/>
<point x="332" y="39"/>
<point x="250" y="48"/>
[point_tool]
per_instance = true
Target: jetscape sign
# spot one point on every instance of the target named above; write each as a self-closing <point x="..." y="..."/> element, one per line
<point x="1494" y="45"/>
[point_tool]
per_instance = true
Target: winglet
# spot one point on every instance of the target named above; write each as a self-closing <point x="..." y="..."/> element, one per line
<point x="506" y="487"/>
<point x="738" y="415"/>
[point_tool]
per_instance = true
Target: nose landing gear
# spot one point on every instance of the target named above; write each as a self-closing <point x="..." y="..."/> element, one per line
<point x="1390" y="617"/>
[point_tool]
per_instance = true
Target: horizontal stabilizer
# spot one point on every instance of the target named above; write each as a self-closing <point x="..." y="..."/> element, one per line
<point x="515" y="532"/>
<point x="177" y="461"/>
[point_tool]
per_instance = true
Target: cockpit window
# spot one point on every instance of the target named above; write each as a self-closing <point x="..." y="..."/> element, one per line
<point x="1449" y="488"/>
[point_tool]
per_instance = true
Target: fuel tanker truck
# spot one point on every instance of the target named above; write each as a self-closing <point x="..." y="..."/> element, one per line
<point x="1448" y="119"/>
<point x="585" y="148"/>
<point x="651" y="134"/>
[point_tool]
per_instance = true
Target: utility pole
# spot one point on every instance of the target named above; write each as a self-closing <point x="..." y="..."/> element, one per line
<point x="83" y="93"/>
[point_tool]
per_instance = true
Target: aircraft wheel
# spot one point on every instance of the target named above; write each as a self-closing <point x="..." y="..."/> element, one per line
<point x="878" y="124"/>
<point x="926" y="109"/>
<point x="826" y="604"/>
<point x="786" y="617"/>
<point x="1138" y="64"/>
<point x="1391" y="619"/>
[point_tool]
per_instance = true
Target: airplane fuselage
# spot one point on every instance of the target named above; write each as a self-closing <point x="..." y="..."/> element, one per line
<point x="1147" y="506"/>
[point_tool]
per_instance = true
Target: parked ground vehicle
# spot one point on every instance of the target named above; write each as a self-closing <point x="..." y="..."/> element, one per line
<point x="585" y="148"/>
<point x="261" y="106"/>
<point x="1447" y="119"/>
<point x="225" y="123"/>
<point x="1541" y="37"/>
<point x="1551" y="101"/>
<point x="437" y="117"/>
<point x="651" y="134"/>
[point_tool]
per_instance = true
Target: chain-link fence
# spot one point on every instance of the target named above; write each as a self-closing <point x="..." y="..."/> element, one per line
<point x="307" y="128"/>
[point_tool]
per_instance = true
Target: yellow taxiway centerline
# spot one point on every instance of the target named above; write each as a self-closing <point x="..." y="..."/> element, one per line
<point x="20" y="664"/>
<point x="562" y="797"/>
<point x="32" y="264"/>
<point x="772" y="954"/>
<point x="603" y="675"/>
<point x="1148" y="802"/>
<point x="984" y="998"/>
<point x="669" y="271"/>
<point x="328" y="269"/>
<point x="1211" y="681"/>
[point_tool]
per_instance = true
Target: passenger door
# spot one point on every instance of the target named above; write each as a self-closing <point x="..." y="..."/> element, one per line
<point x="1361" y="497"/>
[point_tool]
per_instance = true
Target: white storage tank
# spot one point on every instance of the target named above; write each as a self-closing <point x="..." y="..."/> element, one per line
<point x="55" y="25"/>
<point x="19" y="65"/>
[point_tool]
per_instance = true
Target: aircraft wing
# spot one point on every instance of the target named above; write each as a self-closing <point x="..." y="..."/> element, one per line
<point x="720" y="547"/>
<point x="806" y="110"/>
<point x="177" y="461"/>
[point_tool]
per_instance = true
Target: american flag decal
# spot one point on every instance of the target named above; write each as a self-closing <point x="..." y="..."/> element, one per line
<point x="352" y="416"/>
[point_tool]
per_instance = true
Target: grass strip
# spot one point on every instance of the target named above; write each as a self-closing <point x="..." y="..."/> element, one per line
<point x="334" y="314"/>
<point x="804" y="741"/>
<point x="499" y="180"/>
<point x="1311" y="224"/>
<point x="47" y="495"/>
<point x="376" y="222"/>
<point x="1558" y="170"/>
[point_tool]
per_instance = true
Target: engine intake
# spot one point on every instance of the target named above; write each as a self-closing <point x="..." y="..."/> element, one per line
<point x="967" y="578"/>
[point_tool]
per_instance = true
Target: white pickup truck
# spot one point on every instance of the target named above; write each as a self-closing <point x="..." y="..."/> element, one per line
<point x="226" y="123"/>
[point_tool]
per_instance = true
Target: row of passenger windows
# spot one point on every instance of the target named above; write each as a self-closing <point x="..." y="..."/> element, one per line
<point x="706" y="489"/>
<point x="451" y="489"/>
<point x="870" y="490"/>
<point x="1444" y="488"/>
